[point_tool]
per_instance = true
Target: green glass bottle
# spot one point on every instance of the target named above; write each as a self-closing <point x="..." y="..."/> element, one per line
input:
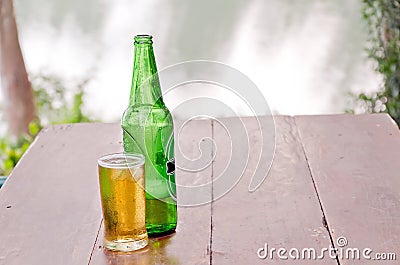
<point x="148" y="129"/>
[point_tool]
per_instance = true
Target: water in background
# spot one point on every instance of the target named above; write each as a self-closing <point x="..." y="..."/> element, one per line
<point x="305" y="56"/>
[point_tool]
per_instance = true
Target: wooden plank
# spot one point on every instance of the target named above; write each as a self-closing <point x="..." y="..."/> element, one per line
<point x="283" y="212"/>
<point x="355" y="161"/>
<point x="49" y="206"/>
<point x="191" y="242"/>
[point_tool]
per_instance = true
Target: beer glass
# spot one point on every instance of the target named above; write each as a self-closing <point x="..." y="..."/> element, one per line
<point x="123" y="200"/>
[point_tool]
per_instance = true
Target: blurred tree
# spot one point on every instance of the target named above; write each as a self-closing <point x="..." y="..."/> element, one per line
<point x="57" y="102"/>
<point x="383" y="18"/>
<point x="19" y="97"/>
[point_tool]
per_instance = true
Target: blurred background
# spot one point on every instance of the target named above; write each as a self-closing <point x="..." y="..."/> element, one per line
<point x="306" y="56"/>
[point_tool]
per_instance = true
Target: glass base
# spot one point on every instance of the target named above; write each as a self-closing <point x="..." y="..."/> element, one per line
<point x="125" y="245"/>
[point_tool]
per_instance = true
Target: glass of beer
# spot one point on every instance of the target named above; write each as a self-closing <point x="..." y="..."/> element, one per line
<point x="123" y="201"/>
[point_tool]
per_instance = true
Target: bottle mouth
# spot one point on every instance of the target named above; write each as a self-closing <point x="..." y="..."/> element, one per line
<point x="143" y="39"/>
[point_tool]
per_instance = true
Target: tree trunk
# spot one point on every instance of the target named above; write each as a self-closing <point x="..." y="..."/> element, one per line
<point x="18" y="94"/>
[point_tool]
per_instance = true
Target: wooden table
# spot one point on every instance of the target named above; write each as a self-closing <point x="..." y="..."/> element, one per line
<point x="332" y="176"/>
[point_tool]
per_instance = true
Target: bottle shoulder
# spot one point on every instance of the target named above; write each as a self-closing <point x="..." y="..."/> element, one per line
<point x="149" y="114"/>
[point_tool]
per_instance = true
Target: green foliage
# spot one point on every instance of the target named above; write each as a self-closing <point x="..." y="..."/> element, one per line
<point x="383" y="18"/>
<point x="12" y="151"/>
<point x="56" y="103"/>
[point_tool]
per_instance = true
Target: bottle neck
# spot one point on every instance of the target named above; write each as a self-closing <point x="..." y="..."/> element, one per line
<point x="145" y="89"/>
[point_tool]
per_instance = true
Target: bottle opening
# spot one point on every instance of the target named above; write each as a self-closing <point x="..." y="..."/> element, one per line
<point x="143" y="39"/>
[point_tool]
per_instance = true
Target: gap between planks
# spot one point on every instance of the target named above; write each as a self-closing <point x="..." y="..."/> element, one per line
<point x="212" y="192"/>
<point x="94" y="244"/>
<point x="324" y="219"/>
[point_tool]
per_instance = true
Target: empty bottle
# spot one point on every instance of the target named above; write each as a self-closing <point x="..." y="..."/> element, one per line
<point x="148" y="129"/>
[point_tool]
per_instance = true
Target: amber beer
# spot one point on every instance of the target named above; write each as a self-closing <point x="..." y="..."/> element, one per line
<point x="123" y="201"/>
